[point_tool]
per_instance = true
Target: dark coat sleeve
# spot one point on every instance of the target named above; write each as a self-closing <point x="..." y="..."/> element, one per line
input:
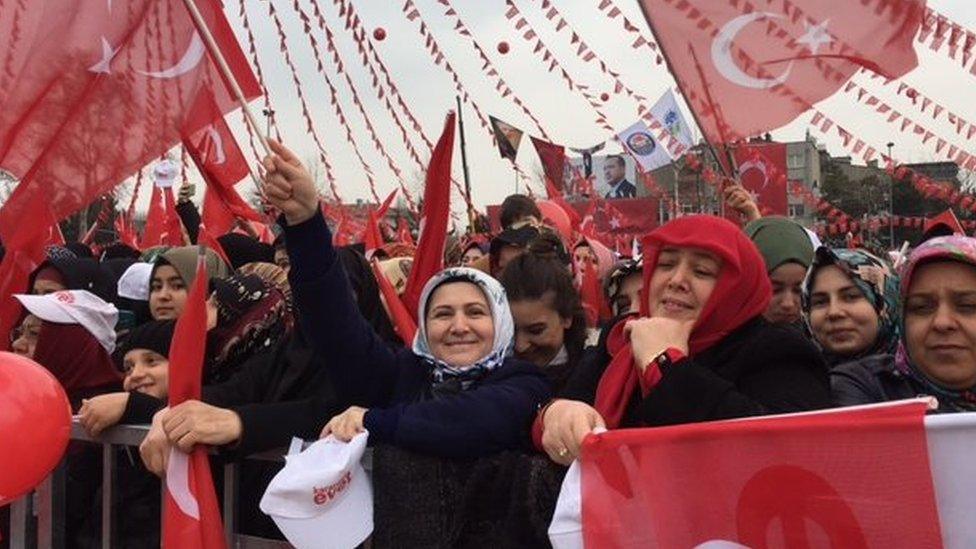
<point x="191" y="219"/>
<point x="480" y="421"/>
<point x="270" y="425"/>
<point x="362" y="366"/>
<point x="776" y="371"/>
<point x="140" y="409"/>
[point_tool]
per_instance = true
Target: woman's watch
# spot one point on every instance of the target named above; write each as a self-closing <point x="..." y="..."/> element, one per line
<point x="668" y="357"/>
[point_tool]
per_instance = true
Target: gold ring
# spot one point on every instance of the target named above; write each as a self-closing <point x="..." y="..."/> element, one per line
<point x="563" y="452"/>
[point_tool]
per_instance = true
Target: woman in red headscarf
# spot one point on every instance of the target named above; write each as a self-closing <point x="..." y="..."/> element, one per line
<point x="699" y="351"/>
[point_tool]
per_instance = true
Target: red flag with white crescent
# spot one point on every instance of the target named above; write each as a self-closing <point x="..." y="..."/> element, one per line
<point x="814" y="479"/>
<point x="191" y="516"/>
<point x="746" y="70"/>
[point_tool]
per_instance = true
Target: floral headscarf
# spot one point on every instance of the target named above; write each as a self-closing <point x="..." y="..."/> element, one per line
<point x="877" y="282"/>
<point x="944" y="248"/>
<point x="501" y="315"/>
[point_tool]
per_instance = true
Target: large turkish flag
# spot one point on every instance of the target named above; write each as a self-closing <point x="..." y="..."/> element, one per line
<point x="746" y="70"/>
<point x="853" y="478"/>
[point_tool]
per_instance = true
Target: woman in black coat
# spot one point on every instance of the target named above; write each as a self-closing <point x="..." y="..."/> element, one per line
<point x="700" y="350"/>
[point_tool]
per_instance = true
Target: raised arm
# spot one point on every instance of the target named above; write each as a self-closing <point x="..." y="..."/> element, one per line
<point x="362" y="366"/>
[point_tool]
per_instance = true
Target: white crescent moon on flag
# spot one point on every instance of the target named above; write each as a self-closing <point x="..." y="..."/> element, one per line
<point x="213" y="136"/>
<point x="722" y="54"/>
<point x="191" y="58"/>
<point x="754" y="165"/>
<point x="178" y="483"/>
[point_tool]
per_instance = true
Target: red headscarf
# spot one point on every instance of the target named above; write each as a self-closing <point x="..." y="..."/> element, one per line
<point x="75" y="357"/>
<point x="741" y="293"/>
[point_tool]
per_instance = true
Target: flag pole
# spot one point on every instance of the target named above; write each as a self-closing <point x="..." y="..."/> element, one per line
<point x="464" y="164"/>
<point x="694" y="114"/>
<point x="218" y="56"/>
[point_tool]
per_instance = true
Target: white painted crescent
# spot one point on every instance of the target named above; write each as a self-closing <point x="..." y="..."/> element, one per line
<point x="722" y="53"/>
<point x="191" y="58"/>
<point x="212" y="143"/>
<point x="178" y="483"/>
<point x="755" y="165"/>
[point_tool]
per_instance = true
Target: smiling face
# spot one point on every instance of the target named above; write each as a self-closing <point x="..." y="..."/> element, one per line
<point x="146" y="372"/>
<point x="627" y="299"/>
<point x="460" y="330"/>
<point x="682" y="282"/>
<point x="787" y="282"/>
<point x="539" y="330"/>
<point x="167" y="293"/>
<point x="940" y="323"/>
<point x="842" y="319"/>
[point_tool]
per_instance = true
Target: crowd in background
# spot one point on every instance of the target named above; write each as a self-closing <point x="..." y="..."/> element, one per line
<point x="515" y="361"/>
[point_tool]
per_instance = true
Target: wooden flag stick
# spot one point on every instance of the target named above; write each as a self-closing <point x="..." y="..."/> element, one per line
<point x="218" y="56"/>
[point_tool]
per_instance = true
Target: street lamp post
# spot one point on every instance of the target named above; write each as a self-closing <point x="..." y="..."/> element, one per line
<point x="891" y="202"/>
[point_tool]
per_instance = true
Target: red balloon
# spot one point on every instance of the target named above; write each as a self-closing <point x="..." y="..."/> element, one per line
<point x="503" y="48"/>
<point x="604" y="96"/>
<point x="379" y="33"/>
<point x="35" y="425"/>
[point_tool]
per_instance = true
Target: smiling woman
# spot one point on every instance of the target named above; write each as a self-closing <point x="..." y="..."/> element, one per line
<point x="455" y="393"/>
<point x="699" y="351"/>
<point x="937" y="354"/>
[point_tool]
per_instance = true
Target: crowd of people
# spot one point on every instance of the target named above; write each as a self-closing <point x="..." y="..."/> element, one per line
<point x="474" y="420"/>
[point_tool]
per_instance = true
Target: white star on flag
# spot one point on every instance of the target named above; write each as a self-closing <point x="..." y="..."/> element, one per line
<point x="816" y="35"/>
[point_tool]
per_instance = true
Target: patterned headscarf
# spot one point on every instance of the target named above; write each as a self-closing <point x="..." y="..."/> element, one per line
<point x="944" y="248"/>
<point x="501" y="315"/>
<point x="252" y="316"/>
<point x="877" y="282"/>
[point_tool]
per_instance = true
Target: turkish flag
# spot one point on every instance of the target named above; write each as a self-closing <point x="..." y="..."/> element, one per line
<point x="152" y="234"/>
<point x="748" y="70"/>
<point x="174" y="226"/>
<point x="403" y="232"/>
<point x="429" y="259"/>
<point x="762" y="171"/>
<point x="404" y="323"/>
<point x="191" y="517"/>
<point x="110" y="93"/>
<point x="853" y="478"/>
<point x="220" y="160"/>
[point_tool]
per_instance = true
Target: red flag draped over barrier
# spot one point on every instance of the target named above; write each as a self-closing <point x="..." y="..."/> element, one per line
<point x="429" y="258"/>
<point x="745" y="71"/>
<point x="805" y="480"/>
<point x="762" y="172"/>
<point x="191" y="516"/>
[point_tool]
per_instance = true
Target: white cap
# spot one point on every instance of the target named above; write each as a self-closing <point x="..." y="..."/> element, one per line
<point x="134" y="282"/>
<point x="322" y="498"/>
<point x="76" y="307"/>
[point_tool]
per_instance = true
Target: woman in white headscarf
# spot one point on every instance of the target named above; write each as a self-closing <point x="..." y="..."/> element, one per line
<point x="456" y="393"/>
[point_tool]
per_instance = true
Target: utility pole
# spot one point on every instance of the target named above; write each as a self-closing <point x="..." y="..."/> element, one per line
<point x="464" y="165"/>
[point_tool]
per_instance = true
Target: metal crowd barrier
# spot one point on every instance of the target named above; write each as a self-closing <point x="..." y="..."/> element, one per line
<point x="47" y="502"/>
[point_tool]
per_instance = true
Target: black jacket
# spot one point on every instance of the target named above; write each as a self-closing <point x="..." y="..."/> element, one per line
<point x="758" y="369"/>
<point x="872" y="379"/>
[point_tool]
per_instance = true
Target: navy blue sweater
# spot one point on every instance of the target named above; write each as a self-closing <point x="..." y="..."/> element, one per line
<point x="394" y="383"/>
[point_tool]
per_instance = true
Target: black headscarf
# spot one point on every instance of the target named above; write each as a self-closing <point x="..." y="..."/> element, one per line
<point x="367" y="292"/>
<point x="241" y="249"/>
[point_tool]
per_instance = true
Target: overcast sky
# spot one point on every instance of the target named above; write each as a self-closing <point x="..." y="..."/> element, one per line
<point x="563" y="113"/>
